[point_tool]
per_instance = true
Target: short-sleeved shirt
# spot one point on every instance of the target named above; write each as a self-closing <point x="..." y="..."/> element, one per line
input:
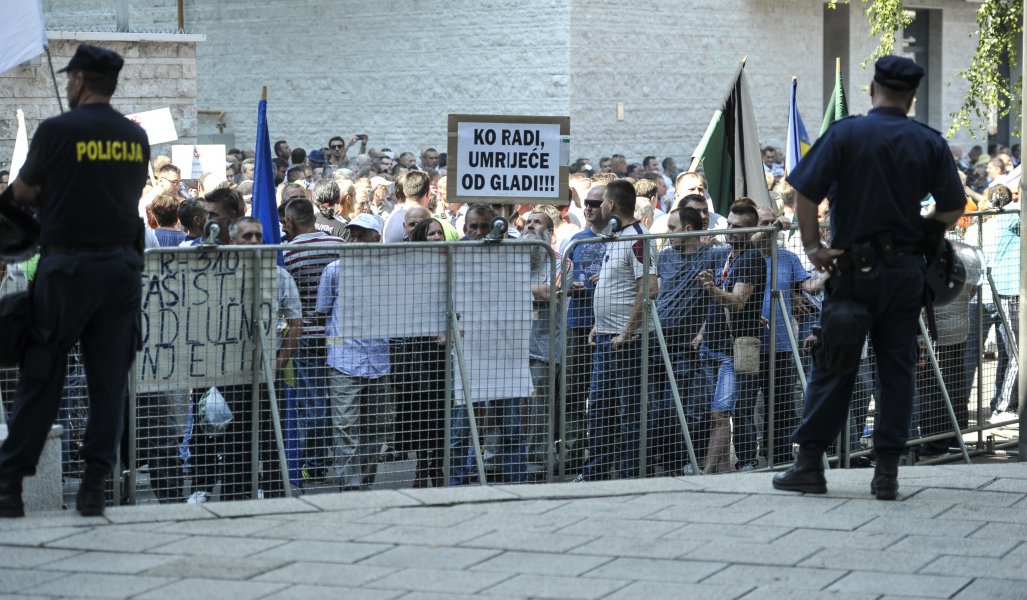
<point x="352" y="357"/>
<point x="540" y="337"/>
<point x="91" y="163"/>
<point x="306" y="263"/>
<point x="1002" y="240"/>
<point x="169" y="237"/>
<point x="617" y="289"/>
<point x="748" y="266"/>
<point x="790" y="273"/>
<point x="682" y="303"/>
<point x="586" y="260"/>
<point x="875" y="170"/>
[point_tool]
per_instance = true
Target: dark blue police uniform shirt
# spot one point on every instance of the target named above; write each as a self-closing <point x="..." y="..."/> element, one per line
<point x="875" y="170"/>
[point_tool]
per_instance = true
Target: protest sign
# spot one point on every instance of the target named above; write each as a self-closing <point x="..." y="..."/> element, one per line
<point x="194" y="161"/>
<point x="491" y="287"/>
<point x="158" y="125"/>
<point x="198" y="319"/>
<point x="508" y="159"/>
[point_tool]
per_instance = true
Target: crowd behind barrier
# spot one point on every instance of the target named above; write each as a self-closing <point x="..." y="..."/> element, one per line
<point x="475" y="362"/>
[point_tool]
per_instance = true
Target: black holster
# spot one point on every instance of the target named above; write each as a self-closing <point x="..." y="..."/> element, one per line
<point x="844" y="321"/>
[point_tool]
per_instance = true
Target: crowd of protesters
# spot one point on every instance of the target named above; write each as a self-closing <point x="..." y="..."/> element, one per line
<point x="364" y="402"/>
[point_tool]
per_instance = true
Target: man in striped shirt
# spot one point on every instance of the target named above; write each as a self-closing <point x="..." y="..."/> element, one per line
<point x="314" y="250"/>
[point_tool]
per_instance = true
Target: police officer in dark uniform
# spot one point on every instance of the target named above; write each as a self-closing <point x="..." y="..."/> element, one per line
<point x="84" y="172"/>
<point x="874" y="170"/>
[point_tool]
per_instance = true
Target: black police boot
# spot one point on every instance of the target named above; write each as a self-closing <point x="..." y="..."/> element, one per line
<point x="885" y="484"/>
<point x="90" y="497"/>
<point x="806" y="475"/>
<point x="10" y="498"/>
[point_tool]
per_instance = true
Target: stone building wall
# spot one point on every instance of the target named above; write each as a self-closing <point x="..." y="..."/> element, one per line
<point x="159" y="71"/>
<point x="395" y="70"/>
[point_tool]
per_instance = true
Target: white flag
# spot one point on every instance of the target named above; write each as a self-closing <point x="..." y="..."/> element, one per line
<point x="21" y="148"/>
<point x="22" y="32"/>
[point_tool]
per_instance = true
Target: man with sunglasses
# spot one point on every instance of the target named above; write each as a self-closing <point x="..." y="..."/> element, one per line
<point x="582" y="265"/>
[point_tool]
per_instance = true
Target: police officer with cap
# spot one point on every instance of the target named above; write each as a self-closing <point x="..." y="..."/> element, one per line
<point x="84" y="172"/>
<point x="874" y="170"/>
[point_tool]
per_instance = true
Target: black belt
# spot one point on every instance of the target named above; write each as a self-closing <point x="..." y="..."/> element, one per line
<point x="62" y="249"/>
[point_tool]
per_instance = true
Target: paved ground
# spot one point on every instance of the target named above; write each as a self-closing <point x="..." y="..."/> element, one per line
<point x="958" y="531"/>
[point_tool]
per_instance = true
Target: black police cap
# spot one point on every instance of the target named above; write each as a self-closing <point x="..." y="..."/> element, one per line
<point x="95" y="59"/>
<point x="898" y="73"/>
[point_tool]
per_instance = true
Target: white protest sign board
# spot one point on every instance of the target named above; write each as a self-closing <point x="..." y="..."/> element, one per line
<point x="198" y="318"/>
<point x="194" y="161"/>
<point x="158" y="125"/>
<point x="491" y="293"/>
<point x="508" y="159"/>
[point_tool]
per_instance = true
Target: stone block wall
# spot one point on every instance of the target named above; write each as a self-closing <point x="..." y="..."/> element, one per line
<point x="159" y="71"/>
<point x="395" y="70"/>
<point x="672" y="63"/>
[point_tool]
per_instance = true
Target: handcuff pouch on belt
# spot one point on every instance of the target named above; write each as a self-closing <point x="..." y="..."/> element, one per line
<point x="845" y="322"/>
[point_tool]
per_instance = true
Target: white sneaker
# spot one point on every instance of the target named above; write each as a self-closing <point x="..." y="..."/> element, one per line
<point x="198" y="498"/>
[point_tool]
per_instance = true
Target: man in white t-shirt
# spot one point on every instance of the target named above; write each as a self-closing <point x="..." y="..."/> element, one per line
<point x="626" y="279"/>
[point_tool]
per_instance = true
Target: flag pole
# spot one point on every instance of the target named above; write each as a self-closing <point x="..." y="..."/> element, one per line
<point x="53" y="77"/>
<point x="263" y="92"/>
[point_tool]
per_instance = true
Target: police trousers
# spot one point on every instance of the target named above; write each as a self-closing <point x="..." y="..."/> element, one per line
<point x="893" y="295"/>
<point x="93" y="297"/>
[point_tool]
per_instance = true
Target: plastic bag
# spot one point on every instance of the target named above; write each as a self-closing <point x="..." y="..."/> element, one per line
<point x="214" y="412"/>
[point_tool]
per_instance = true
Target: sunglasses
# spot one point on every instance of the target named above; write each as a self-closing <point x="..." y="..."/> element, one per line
<point x="336" y="146"/>
<point x="593" y="203"/>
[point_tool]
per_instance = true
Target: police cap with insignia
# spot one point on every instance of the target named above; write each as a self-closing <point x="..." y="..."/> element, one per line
<point x="898" y="73"/>
<point x="95" y="59"/>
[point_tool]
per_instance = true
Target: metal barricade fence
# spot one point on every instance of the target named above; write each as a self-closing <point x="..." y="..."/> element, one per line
<point x="650" y="381"/>
<point x="217" y="412"/>
<point x="370" y="405"/>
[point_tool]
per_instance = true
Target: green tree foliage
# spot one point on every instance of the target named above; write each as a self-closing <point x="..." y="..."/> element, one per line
<point x="1000" y="29"/>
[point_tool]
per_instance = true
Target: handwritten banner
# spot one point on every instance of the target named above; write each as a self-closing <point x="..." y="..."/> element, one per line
<point x="199" y="318"/>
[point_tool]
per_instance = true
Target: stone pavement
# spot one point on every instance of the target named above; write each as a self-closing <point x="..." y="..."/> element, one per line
<point x="957" y="531"/>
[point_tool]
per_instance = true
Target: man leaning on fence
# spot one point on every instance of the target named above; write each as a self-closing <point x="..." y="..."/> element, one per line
<point x="306" y="263"/>
<point x="358" y="374"/>
<point x="627" y="275"/>
<point x="875" y="170"/>
<point x="681" y="307"/>
<point x="736" y="297"/>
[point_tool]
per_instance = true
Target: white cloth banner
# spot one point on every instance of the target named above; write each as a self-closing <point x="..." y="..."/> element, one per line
<point x="21" y="147"/>
<point x="22" y="32"/>
<point x="402" y="293"/>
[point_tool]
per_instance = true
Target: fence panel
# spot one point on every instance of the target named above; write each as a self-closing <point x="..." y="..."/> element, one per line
<point x="450" y="364"/>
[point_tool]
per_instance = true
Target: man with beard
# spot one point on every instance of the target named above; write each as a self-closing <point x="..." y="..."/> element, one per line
<point x="535" y="410"/>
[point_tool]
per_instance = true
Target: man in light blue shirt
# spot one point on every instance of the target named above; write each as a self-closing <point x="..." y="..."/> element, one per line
<point x="357" y="378"/>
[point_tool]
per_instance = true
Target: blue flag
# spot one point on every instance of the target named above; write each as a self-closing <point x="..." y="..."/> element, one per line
<point x="265" y="208"/>
<point x="798" y="141"/>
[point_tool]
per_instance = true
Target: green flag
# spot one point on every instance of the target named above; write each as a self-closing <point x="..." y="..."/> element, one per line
<point x="837" y="107"/>
<point x="730" y="151"/>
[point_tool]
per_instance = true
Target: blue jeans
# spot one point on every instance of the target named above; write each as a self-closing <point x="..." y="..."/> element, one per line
<point x="694" y="388"/>
<point x="312" y="432"/>
<point x="613" y="407"/>
<point x="512" y="452"/>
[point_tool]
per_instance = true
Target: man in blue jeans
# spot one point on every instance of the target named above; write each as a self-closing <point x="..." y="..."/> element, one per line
<point x="627" y="275"/>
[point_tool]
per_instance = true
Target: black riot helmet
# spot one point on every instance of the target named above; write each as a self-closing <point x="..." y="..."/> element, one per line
<point x="19" y="231"/>
<point x="947" y="274"/>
